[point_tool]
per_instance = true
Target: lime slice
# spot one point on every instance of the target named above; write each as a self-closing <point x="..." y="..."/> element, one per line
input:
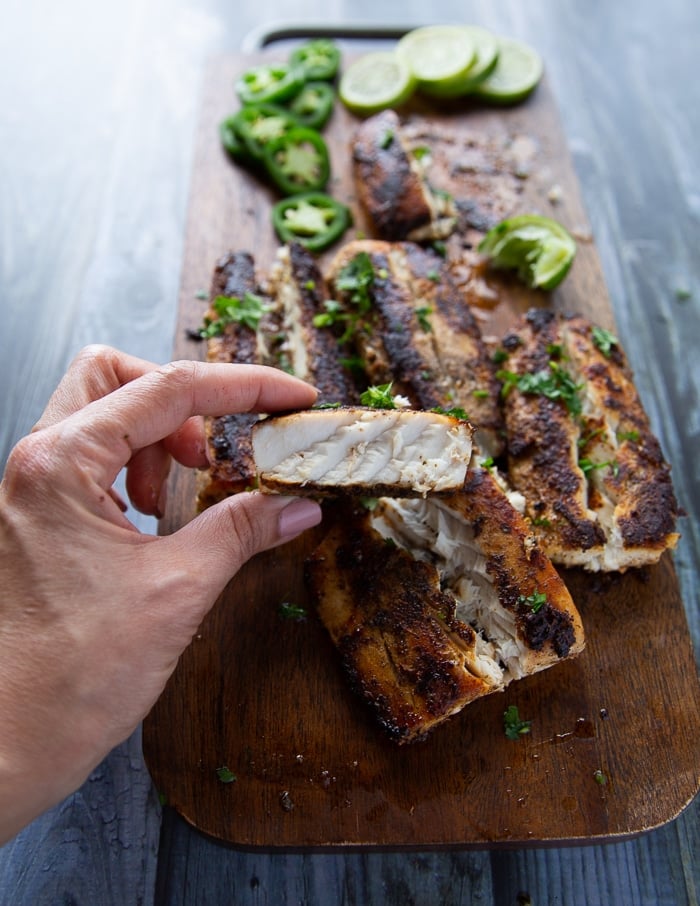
<point x="437" y="54"/>
<point x="539" y="248"/>
<point x="486" y="46"/>
<point x="517" y="72"/>
<point x="376" y="81"/>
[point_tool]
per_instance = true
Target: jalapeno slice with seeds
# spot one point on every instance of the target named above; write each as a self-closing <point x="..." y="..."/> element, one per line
<point x="259" y="124"/>
<point x="278" y="82"/>
<point x="233" y="142"/>
<point x="298" y="161"/>
<point x="319" y="58"/>
<point x="313" y="219"/>
<point x="313" y="105"/>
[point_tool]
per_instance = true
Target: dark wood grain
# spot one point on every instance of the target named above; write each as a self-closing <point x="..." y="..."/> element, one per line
<point x="266" y="698"/>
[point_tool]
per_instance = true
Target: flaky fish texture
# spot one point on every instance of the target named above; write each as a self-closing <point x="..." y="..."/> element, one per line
<point x="580" y="448"/>
<point x="362" y="451"/>
<point x="392" y="185"/>
<point x="421" y="335"/>
<point x="433" y="603"/>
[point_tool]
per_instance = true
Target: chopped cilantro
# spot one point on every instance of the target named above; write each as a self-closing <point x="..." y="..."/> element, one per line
<point x="488" y="463"/>
<point x="353" y="363"/>
<point x="600" y="777"/>
<point x="499" y="356"/>
<point x="480" y="394"/>
<point x="327" y="406"/>
<point x="420" y="152"/>
<point x="225" y="775"/>
<point x="356" y="278"/>
<point x="201" y="294"/>
<point x="541" y="521"/>
<point x="232" y="310"/>
<point x="310" y="284"/>
<point x="604" y="340"/>
<point x="434" y="275"/>
<point x="369" y="503"/>
<point x="512" y="724"/>
<point x="556" y="351"/>
<point x="422" y="313"/>
<point x="628" y="435"/>
<point x="378" y="397"/>
<point x="440" y="247"/>
<point x="387" y="139"/>
<point x="289" y="611"/>
<point x="587" y="466"/>
<point x="454" y="412"/>
<point x="555" y="383"/>
<point x="586" y="438"/>
<point x="535" y="601"/>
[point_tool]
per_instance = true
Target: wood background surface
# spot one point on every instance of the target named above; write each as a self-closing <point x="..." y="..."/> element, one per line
<point x="99" y="107"/>
<point x="266" y="697"/>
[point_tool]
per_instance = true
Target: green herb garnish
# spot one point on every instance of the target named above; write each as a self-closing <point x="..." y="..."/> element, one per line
<point x="434" y="275"/>
<point x="587" y="466"/>
<point x="420" y="152"/>
<point x="604" y="340"/>
<point x="225" y="775"/>
<point x="379" y="397"/>
<point x="535" y="601"/>
<point x="600" y="778"/>
<point x="454" y="412"/>
<point x="440" y="247"/>
<point x="327" y="406"/>
<point x="387" y="139"/>
<point x="356" y="278"/>
<point x="555" y="383"/>
<point x="232" y="310"/>
<point x="310" y="284"/>
<point x="289" y="611"/>
<point x="512" y="724"/>
<point x="628" y="435"/>
<point x="201" y="294"/>
<point x="541" y="521"/>
<point x="480" y="394"/>
<point x="499" y="356"/>
<point x="488" y="463"/>
<point x="422" y="313"/>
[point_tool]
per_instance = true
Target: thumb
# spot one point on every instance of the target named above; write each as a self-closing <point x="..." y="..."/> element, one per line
<point x="221" y="539"/>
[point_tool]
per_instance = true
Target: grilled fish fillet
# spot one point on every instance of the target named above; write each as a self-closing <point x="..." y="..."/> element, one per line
<point x="231" y="467"/>
<point x="362" y="451"/>
<point x="597" y="487"/>
<point x="434" y="603"/>
<point x="392" y="186"/>
<point x="311" y="354"/>
<point x="421" y="335"/>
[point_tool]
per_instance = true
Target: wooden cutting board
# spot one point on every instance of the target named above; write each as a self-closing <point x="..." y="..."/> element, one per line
<point x="613" y="749"/>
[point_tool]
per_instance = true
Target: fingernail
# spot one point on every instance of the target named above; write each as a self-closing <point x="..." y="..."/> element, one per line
<point x="298" y="516"/>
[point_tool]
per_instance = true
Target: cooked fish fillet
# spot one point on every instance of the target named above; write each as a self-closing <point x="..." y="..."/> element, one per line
<point x="231" y="467"/>
<point x="311" y="354"/>
<point x="392" y="186"/>
<point x="434" y="603"/>
<point x="597" y="487"/>
<point x="363" y="451"/>
<point x="421" y="335"/>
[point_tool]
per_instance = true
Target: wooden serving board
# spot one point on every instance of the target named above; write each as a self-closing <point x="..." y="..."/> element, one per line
<point x="613" y="749"/>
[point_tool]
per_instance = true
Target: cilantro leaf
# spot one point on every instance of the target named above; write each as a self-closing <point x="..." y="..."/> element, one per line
<point x="604" y="340"/>
<point x="379" y="397"/>
<point x="513" y="726"/>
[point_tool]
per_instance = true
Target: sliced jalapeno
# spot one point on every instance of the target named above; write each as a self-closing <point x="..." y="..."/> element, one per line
<point x="298" y="161"/>
<point x="313" y="105"/>
<point x="233" y="142"/>
<point x="278" y="82"/>
<point x="258" y="124"/>
<point x="313" y="219"/>
<point x="319" y="58"/>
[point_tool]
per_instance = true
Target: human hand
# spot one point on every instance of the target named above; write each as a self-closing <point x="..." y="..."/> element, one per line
<point x="95" y="614"/>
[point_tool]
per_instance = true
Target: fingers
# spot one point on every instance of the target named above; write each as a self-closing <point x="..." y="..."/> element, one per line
<point x="146" y="477"/>
<point x="95" y="372"/>
<point x="110" y="430"/>
<point x="188" y="444"/>
<point x="219" y="541"/>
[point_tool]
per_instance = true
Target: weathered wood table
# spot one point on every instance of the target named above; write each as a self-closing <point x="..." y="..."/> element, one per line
<point x="99" y="110"/>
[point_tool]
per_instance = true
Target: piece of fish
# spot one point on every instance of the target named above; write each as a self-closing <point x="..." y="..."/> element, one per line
<point x="392" y="185"/>
<point x="311" y="354"/>
<point x="433" y="603"/>
<point x="580" y="448"/>
<point x="363" y="451"/>
<point x="231" y="467"/>
<point x="421" y="335"/>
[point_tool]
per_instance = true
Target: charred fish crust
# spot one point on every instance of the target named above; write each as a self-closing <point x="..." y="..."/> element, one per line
<point x="305" y="270"/>
<point x="651" y="521"/>
<point x="540" y="319"/>
<point x="388" y="186"/>
<point x="511" y="341"/>
<point x="577" y="531"/>
<point x="548" y="626"/>
<point x="234" y="275"/>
